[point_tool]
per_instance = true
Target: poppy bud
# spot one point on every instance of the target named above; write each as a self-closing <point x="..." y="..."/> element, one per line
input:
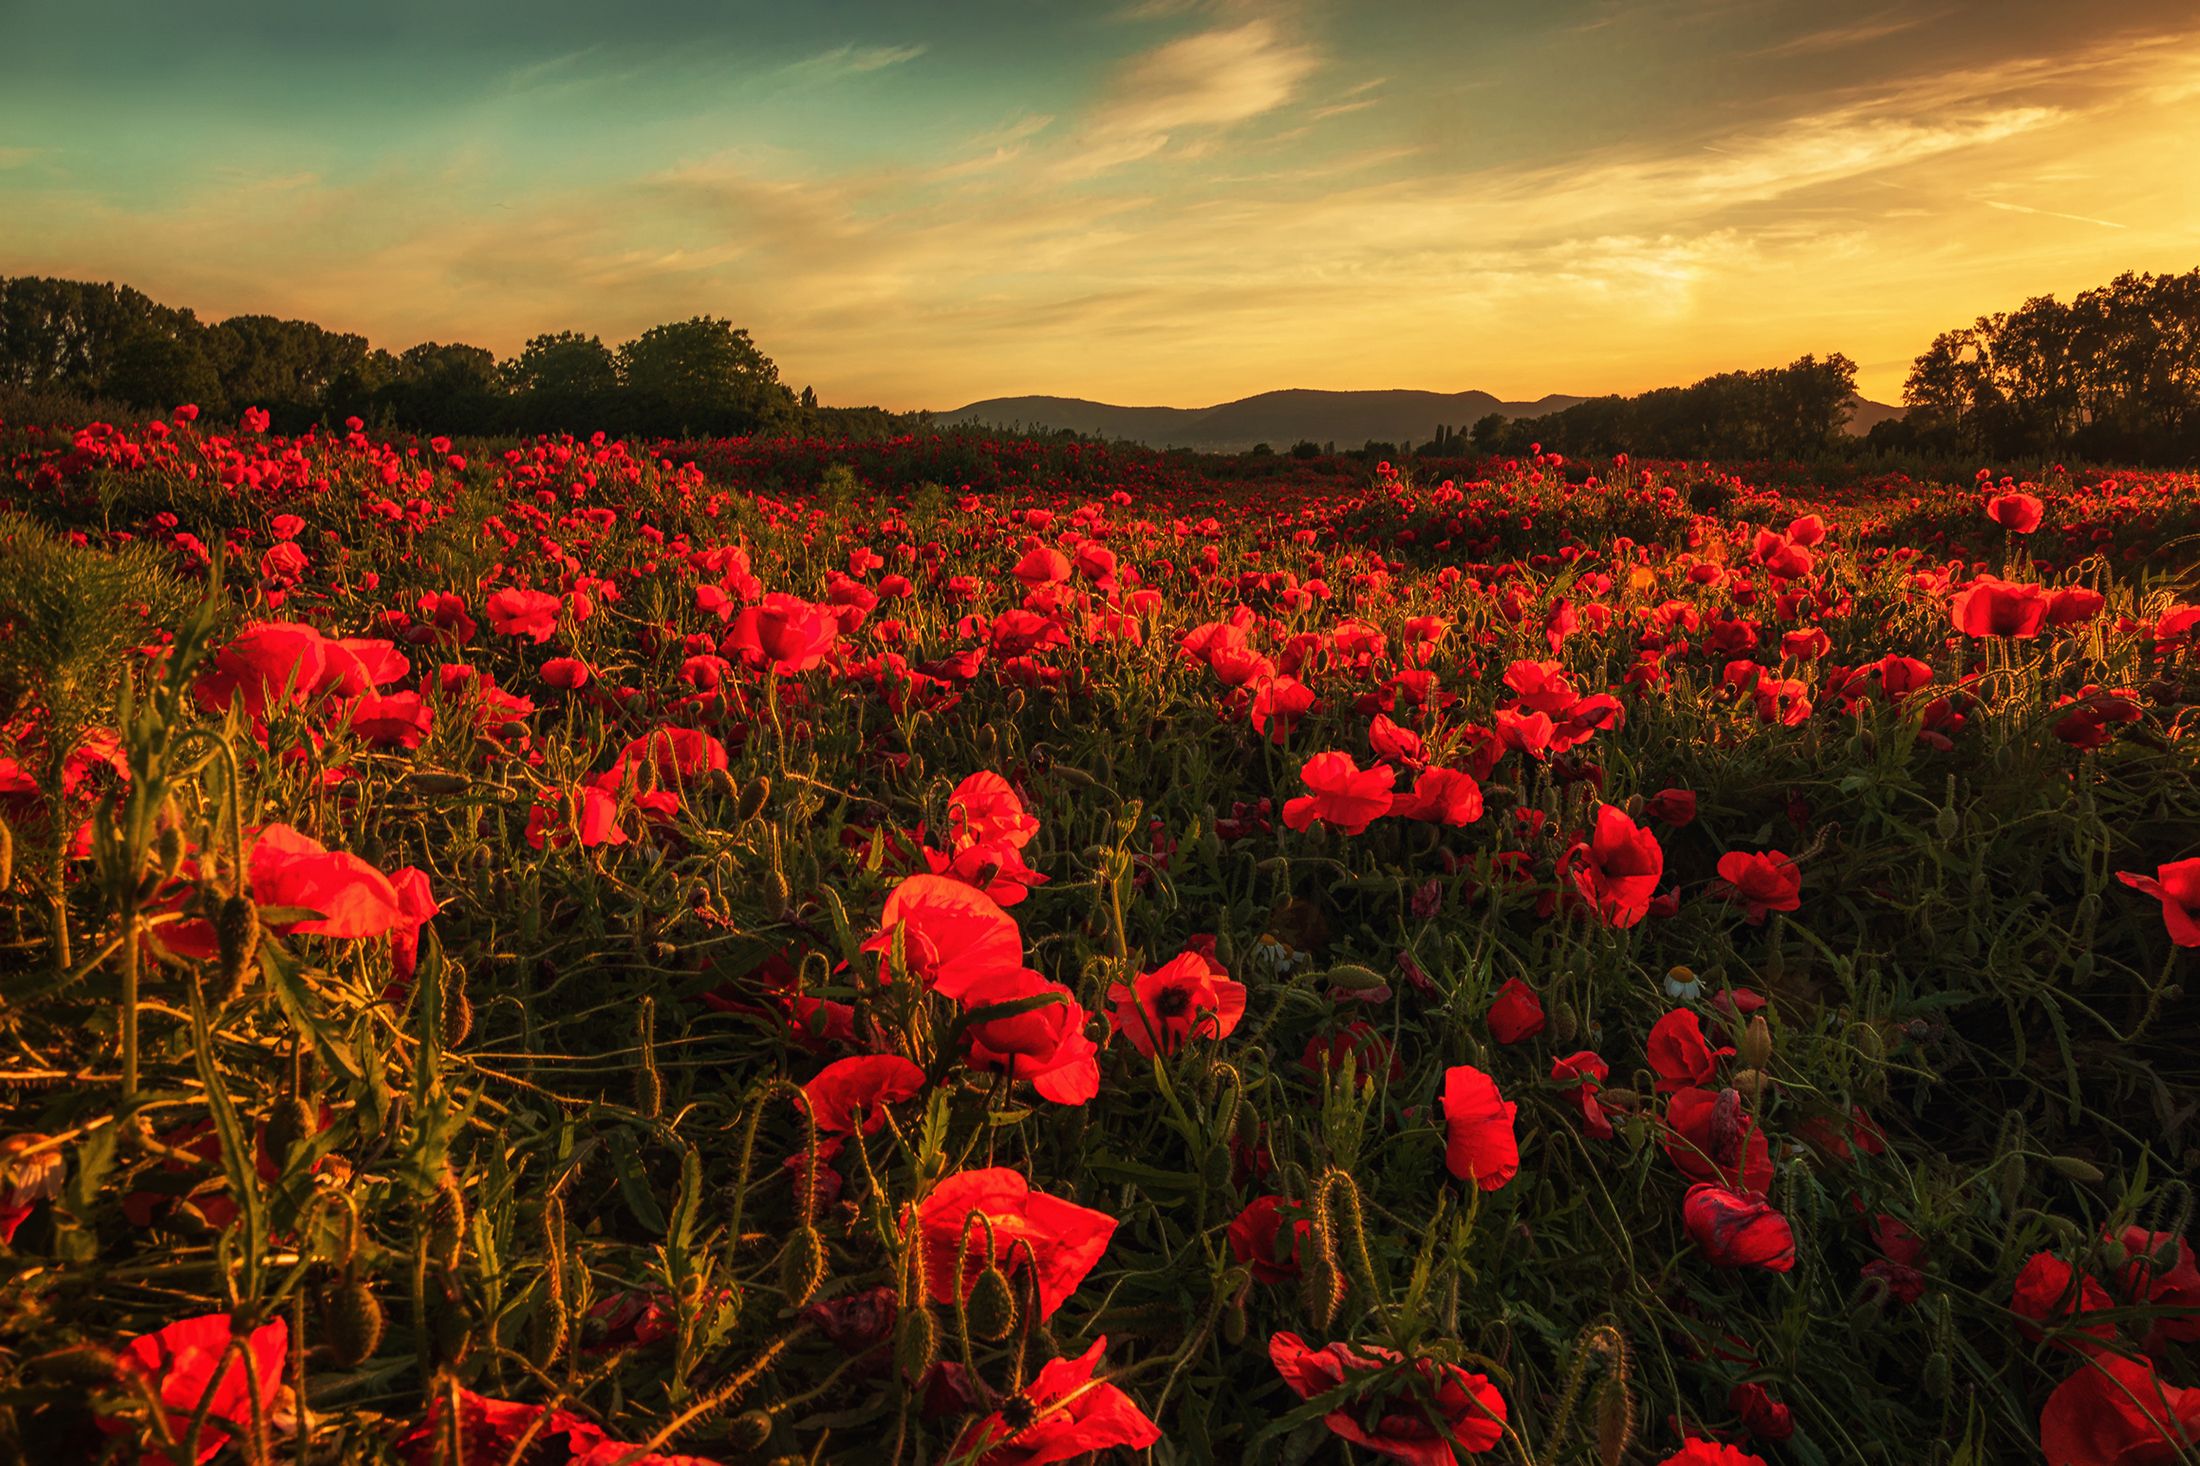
<point x="1565" y="1022"/>
<point x="917" y="1343"/>
<point x="1321" y="1290"/>
<point x="236" y="937"/>
<point x="1750" y="1083"/>
<point x="802" y="1266"/>
<point x="170" y="852"/>
<point x="291" y="1121"/>
<point x="1945" y="823"/>
<point x="1233" y="1321"/>
<point x="352" y="1320"/>
<point x="1871" y="1044"/>
<point x="1756" y="1045"/>
<point x="428" y="782"/>
<point x="751" y="1430"/>
<point x="753" y="795"/>
<point x="722" y="785"/>
<point x="450" y="1322"/>
<point x="1614" y="1408"/>
<point x="447" y="1220"/>
<point x="458" y="1009"/>
<point x="1215" y="1167"/>
<point x="777" y="898"/>
<point x="991" y="1310"/>
<point x="1938" y="1376"/>
<point x="2075" y="1169"/>
<point x="2114" y="1254"/>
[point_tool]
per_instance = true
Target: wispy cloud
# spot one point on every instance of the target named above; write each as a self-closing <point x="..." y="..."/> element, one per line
<point x="1213" y="79"/>
<point x="843" y="62"/>
<point x="2010" y="208"/>
<point x="1836" y="38"/>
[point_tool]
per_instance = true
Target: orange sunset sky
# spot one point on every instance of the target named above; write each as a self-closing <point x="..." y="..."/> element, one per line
<point x="919" y="204"/>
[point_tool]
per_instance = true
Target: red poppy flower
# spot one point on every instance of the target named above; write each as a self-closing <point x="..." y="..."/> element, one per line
<point x="1616" y="870"/>
<point x="1416" y="1416"/>
<point x="2118" y="1412"/>
<point x="1586" y="1072"/>
<point x="1278" y="705"/>
<point x="1479" y="1144"/>
<point x="2050" y="1292"/>
<point x="566" y="674"/>
<point x="984" y="810"/>
<point x="1344" y="795"/>
<point x="853" y="1092"/>
<point x="1710" y="1137"/>
<point x="1440" y="796"/>
<point x="952" y="934"/>
<point x="2074" y="605"/>
<point x="1762" y="1416"/>
<point x="1680" y="1054"/>
<point x="1065" y="1239"/>
<point x="584" y="812"/>
<point x="265" y="664"/>
<point x="395" y="720"/>
<point x="1393" y="744"/>
<point x="1991" y="607"/>
<point x="529" y="613"/>
<point x="190" y="1364"/>
<point x="1046" y="1045"/>
<point x="998" y="870"/>
<point x="1737" y="1229"/>
<point x="1268" y="1242"/>
<point x="1761" y="882"/>
<point x="351" y="897"/>
<point x="1189" y="996"/>
<point x="1064" y="1414"/>
<point x="783" y="634"/>
<point x="1515" y="1013"/>
<point x="1696" y="1451"/>
<point x="2017" y="513"/>
<point x="492" y="1430"/>
<point x="1676" y="807"/>
<point x="2177" y="887"/>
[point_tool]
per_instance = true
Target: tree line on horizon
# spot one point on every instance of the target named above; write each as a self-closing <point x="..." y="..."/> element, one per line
<point x="703" y="377"/>
<point x="1796" y="411"/>
<point x="2111" y="376"/>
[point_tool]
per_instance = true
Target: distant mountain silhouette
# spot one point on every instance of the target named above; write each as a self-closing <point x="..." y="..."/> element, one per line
<point x="1281" y="419"/>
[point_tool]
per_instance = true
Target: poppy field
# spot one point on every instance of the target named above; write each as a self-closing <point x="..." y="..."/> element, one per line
<point x="577" y="952"/>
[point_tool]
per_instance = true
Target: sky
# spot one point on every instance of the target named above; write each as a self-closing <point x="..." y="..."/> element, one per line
<point x="915" y="203"/>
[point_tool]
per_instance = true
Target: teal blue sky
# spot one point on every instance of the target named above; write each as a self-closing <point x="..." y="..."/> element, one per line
<point x="923" y="203"/>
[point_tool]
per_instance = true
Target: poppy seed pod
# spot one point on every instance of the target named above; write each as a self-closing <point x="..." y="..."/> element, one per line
<point x="916" y="1342"/>
<point x="237" y="937"/>
<point x="991" y="1311"/>
<point x="802" y="1266"/>
<point x="352" y="1320"/>
<point x="1755" y="1049"/>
